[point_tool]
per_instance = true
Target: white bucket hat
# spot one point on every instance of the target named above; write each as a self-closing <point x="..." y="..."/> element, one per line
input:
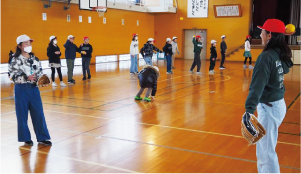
<point x="213" y="41"/>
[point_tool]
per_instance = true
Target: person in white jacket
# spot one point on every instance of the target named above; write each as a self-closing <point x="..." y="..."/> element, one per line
<point x="174" y="49"/>
<point x="134" y="51"/>
<point x="247" y="53"/>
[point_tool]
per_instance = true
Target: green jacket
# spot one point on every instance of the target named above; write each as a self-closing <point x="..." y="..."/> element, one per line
<point x="267" y="80"/>
<point x="198" y="46"/>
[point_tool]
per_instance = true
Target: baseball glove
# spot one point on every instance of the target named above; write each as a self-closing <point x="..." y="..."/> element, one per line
<point x="43" y="81"/>
<point x="251" y="129"/>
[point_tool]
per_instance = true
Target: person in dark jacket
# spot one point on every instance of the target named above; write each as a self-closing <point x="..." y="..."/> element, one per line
<point x="223" y="52"/>
<point x="147" y="51"/>
<point x="197" y="49"/>
<point x="70" y="54"/>
<point x="267" y="91"/>
<point x="54" y="53"/>
<point x="148" y="77"/>
<point x="86" y="53"/>
<point x="213" y="57"/>
<point x="167" y="49"/>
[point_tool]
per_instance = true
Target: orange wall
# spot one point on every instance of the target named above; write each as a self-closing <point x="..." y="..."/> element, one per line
<point x="25" y="17"/>
<point x="235" y="28"/>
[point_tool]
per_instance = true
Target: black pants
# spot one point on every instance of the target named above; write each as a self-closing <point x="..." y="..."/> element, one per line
<point x="59" y="73"/>
<point x="212" y="63"/>
<point x="86" y="66"/>
<point x="223" y="59"/>
<point x="250" y="60"/>
<point x="196" y="62"/>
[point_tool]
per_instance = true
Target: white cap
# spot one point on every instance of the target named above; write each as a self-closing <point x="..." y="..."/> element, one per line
<point x="150" y="39"/>
<point x="174" y="38"/>
<point x="168" y="40"/>
<point x="223" y="36"/>
<point x="70" y="36"/>
<point x="52" y="37"/>
<point x="23" y="38"/>
<point x="213" y="41"/>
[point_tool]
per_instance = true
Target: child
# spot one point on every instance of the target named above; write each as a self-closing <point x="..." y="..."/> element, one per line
<point x="134" y="51"/>
<point x="54" y="53"/>
<point x="147" y="51"/>
<point x="86" y="52"/>
<point x="148" y="77"/>
<point x="198" y="47"/>
<point x="174" y="49"/>
<point x="223" y="52"/>
<point x="247" y="53"/>
<point x="167" y="49"/>
<point x="213" y="57"/>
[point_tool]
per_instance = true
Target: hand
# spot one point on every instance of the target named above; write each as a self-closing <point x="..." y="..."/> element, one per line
<point x="167" y="54"/>
<point x="57" y="52"/>
<point x="132" y="56"/>
<point x="213" y="59"/>
<point x="178" y="52"/>
<point x="32" y="77"/>
<point x="289" y="34"/>
<point x="153" y="97"/>
<point x="81" y="45"/>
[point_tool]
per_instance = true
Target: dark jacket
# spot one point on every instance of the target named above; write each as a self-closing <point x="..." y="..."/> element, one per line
<point x="223" y="47"/>
<point x="71" y="49"/>
<point x="147" y="50"/>
<point x="88" y="49"/>
<point x="167" y="49"/>
<point x="52" y="57"/>
<point x="197" y="46"/>
<point x="148" y="77"/>
<point x="267" y="80"/>
<point x="213" y="52"/>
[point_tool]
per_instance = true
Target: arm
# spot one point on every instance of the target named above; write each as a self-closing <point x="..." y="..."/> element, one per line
<point x="67" y="44"/>
<point x="142" y="51"/>
<point x="132" y="48"/>
<point x="156" y="49"/>
<point x="50" y="52"/>
<point x="260" y="78"/>
<point x="12" y="68"/>
<point x="78" y="49"/>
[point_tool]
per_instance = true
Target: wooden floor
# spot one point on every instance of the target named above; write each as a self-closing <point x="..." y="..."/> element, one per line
<point x="193" y="126"/>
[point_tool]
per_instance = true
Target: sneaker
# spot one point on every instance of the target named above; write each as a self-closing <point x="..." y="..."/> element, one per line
<point x="84" y="78"/>
<point x="89" y="76"/>
<point x="54" y="84"/>
<point x="191" y="71"/>
<point x="251" y="67"/>
<point x="211" y="72"/>
<point x="73" y="81"/>
<point x="222" y="67"/>
<point x="132" y="73"/>
<point x="147" y="99"/>
<point x="245" y="66"/>
<point x="28" y="143"/>
<point x="169" y="72"/>
<point x="173" y="67"/>
<point x="198" y="73"/>
<point x="62" y="84"/>
<point x="138" y="98"/>
<point x="45" y="143"/>
<point x="136" y="72"/>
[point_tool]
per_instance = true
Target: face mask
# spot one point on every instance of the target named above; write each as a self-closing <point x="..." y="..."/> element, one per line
<point x="55" y="42"/>
<point x="28" y="49"/>
<point x="136" y="38"/>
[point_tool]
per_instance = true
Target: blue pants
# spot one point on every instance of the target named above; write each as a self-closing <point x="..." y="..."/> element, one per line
<point x="168" y="60"/>
<point x="271" y="118"/>
<point x="148" y="61"/>
<point x="28" y="98"/>
<point x="134" y="63"/>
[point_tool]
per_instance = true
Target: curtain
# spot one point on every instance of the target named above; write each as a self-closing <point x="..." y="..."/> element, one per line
<point x="295" y="20"/>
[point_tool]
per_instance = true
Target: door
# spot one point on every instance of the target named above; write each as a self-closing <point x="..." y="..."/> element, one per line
<point x="188" y="45"/>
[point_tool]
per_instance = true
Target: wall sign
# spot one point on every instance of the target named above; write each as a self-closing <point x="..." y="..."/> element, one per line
<point x="197" y="9"/>
<point x="224" y="11"/>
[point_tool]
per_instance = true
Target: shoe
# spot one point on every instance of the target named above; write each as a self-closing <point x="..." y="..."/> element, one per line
<point x="173" y="67"/>
<point x="147" y="99"/>
<point x="211" y="72"/>
<point x="136" y="72"/>
<point x="198" y="73"/>
<point x="63" y="84"/>
<point x="191" y="71"/>
<point x="45" y="143"/>
<point x="251" y="67"/>
<point x="89" y="76"/>
<point x="132" y="73"/>
<point x="138" y="98"/>
<point x="73" y="81"/>
<point x="54" y="84"/>
<point x="28" y="143"/>
<point x="84" y="78"/>
<point x="221" y="67"/>
<point x="245" y="66"/>
<point x="170" y="72"/>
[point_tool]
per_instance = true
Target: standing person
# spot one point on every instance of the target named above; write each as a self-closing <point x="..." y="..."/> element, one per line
<point x="167" y="49"/>
<point x="25" y="69"/>
<point x="147" y="51"/>
<point x="70" y="54"/>
<point x="267" y="91"/>
<point x="213" y="57"/>
<point x="247" y="53"/>
<point x="54" y="53"/>
<point x="198" y="47"/>
<point x="148" y="77"/>
<point x="86" y="52"/>
<point x="223" y="52"/>
<point x="134" y="51"/>
<point x="175" y="48"/>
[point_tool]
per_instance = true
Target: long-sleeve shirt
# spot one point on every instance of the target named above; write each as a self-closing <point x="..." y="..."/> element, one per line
<point x="134" y="49"/>
<point x="52" y="57"/>
<point x="247" y="46"/>
<point x="223" y="47"/>
<point x="198" y="46"/>
<point x="213" y="52"/>
<point x="71" y="49"/>
<point x="174" y="47"/>
<point x="88" y="49"/>
<point x="167" y="49"/>
<point x="147" y="50"/>
<point x="21" y="67"/>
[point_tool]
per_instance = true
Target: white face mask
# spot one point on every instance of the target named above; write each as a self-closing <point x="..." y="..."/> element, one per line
<point x="28" y="49"/>
<point x="55" y="42"/>
<point x="136" y="38"/>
